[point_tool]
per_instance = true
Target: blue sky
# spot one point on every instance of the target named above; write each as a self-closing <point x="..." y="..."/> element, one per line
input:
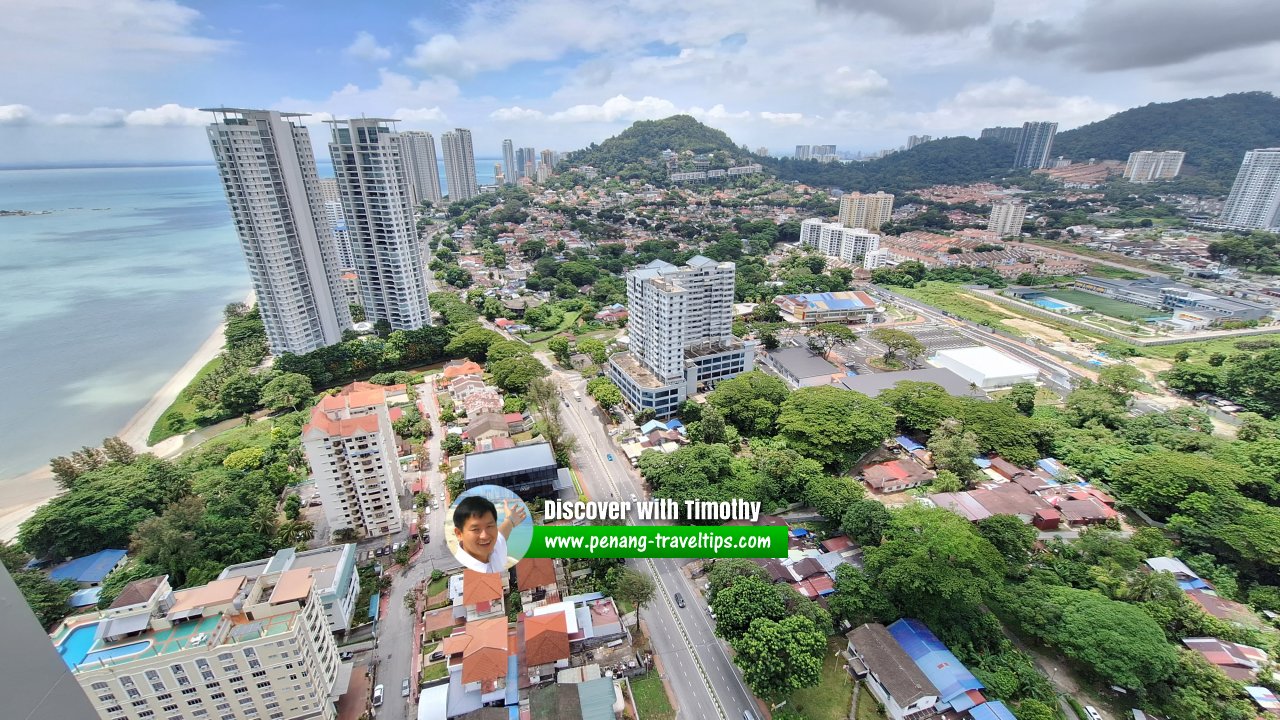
<point x="120" y="80"/>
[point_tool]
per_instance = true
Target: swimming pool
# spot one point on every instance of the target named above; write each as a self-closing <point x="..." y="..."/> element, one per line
<point x="75" y="647"/>
<point x="1049" y="304"/>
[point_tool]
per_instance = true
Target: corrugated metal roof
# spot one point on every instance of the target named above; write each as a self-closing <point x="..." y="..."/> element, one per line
<point x="596" y="698"/>
<point x="943" y="669"/>
<point x="521" y="457"/>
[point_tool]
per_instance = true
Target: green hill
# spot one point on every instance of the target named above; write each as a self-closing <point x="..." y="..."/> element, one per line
<point x="1214" y="132"/>
<point x="950" y="160"/>
<point x="642" y="145"/>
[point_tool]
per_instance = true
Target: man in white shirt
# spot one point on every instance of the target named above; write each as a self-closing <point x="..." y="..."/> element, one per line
<point x="482" y="541"/>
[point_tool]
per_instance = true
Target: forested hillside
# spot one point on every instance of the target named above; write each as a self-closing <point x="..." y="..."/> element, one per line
<point x="950" y="160"/>
<point x="644" y="141"/>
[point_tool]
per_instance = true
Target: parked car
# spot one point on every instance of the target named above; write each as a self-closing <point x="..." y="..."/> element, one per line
<point x="609" y="456"/>
<point x="748" y="715"/>
<point x="679" y="600"/>
<point x="377" y="696"/>
<point x="404" y="688"/>
<point x="437" y="655"/>
<point x="346" y="655"/>
<point x="1092" y="712"/>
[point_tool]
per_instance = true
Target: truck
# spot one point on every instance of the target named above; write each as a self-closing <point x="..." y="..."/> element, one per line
<point x="577" y="396"/>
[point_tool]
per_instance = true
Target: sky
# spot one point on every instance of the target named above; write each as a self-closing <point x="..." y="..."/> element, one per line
<point x="123" y="80"/>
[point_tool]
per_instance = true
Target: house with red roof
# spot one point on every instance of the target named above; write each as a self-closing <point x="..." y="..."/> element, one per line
<point x="476" y="595"/>
<point x="896" y="476"/>
<point x="1238" y="662"/>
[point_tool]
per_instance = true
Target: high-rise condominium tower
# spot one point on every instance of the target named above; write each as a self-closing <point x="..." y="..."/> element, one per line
<point x="1148" y="165"/>
<point x="681" y="328"/>
<point x="1007" y="218"/>
<point x="853" y="245"/>
<point x="1254" y="201"/>
<point x="549" y="159"/>
<point x="377" y="202"/>
<point x="337" y="221"/>
<point x="268" y="172"/>
<point x="1035" y="144"/>
<point x="867" y="211"/>
<point x="418" y="151"/>
<point x="459" y="164"/>
<point x="803" y="152"/>
<point x="509" y="162"/>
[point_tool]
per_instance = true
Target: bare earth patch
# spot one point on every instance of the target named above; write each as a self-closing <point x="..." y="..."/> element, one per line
<point x="1035" y="329"/>
<point x="992" y="306"/>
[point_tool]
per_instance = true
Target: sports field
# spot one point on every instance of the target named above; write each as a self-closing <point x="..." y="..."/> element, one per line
<point x="1118" y="309"/>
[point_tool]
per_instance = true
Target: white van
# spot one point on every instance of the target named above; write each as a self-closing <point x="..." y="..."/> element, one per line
<point x="1092" y="712"/>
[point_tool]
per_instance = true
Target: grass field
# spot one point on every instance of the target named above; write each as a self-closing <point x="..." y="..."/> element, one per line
<point x="651" y="698"/>
<point x="570" y="320"/>
<point x="830" y="699"/>
<point x="1115" y="273"/>
<point x="953" y="299"/>
<point x="1107" y="306"/>
<point x="182" y="407"/>
<point x="868" y="708"/>
<point x="1201" y="349"/>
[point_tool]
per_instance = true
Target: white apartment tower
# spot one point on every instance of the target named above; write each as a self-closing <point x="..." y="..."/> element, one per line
<point x="234" y="649"/>
<point x="509" y="162"/>
<point x="268" y="172"/>
<point x="1150" y="165"/>
<point x="351" y="448"/>
<point x="459" y="164"/>
<point x="418" y="150"/>
<point x="337" y="221"/>
<point x="1007" y="218"/>
<point x="1035" y="144"/>
<point x="852" y="245"/>
<point x="378" y="206"/>
<point x="1254" y="201"/>
<point x="866" y="211"/>
<point x="681" y="331"/>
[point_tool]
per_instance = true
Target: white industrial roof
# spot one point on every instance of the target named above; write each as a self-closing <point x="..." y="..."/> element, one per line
<point x="987" y="361"/>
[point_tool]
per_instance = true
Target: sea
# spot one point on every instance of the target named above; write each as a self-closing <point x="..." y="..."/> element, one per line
<point x="106" y="295"/>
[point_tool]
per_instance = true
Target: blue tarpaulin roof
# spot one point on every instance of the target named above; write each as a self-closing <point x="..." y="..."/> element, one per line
<point x="1052" y="466"/>
<point x="994" y="710"/>
<point x="943" y="669"/>
<point x="673" y="423"/>
<point x="982" y="462"/>
<point x="373" y="606"/>
<point x="85" y="597"/>
<point x="799" y="532"/>
<point x="90" y="568"/>
<point x="908" y="444"/>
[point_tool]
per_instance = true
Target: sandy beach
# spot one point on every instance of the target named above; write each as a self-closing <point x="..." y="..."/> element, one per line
<point x="21" y="496"/>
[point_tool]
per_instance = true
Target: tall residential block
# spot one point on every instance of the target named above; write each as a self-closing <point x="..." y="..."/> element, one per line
<point x="268" y="172"/>
<point x="233" y="649"/>
<point x="1007" y="217"/>
<point x="915" y="140"/>
<point x="762" y="151"/>
<point x="374" y="184"/>
<point x="852" y="245"/>
<point x="337" y="221"/>
<point x="508" y="162"/>
<point x="1035" y="144"/>
<point x="1011" y="135"/>
<point x="866" y="211"/>
<point x="1254" y="201"/>
<point x="459" y="164"/>
<point x="803" y="152"/>
<point x="549" y="159"/>
<point x="351" y="448"/>
<point x="681" y="330"/>
<point x="1149" y="165"/>
<point x="530" y="162"/>
<point x="418" y="150"/>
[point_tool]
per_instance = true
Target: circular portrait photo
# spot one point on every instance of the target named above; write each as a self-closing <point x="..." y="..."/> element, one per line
<point x="488" y="528"/>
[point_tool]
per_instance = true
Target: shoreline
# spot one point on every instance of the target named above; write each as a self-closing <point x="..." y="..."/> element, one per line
<point x="24" y="494"/>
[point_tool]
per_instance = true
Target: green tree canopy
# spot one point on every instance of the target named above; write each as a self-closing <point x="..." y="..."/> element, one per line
<point x="920" y="405"/>
<point x="750" y="401"/>
<point x="778" y="658"/>
<point x="834" y="426"/>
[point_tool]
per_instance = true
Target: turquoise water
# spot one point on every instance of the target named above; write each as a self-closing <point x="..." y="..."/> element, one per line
<point x="74" y="648"/>
<point x="1049" y="304"/>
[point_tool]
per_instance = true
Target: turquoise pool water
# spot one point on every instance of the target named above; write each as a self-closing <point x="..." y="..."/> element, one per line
<point x="1049" y="304"/>
<point x="75" y="647"/>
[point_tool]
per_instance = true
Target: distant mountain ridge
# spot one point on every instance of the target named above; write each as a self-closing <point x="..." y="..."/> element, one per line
<point x="1214" y="132"/>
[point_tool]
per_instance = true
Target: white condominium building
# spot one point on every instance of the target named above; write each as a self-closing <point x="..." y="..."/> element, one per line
<point x="268" y="171"/>
<point x="337" y="221"/>
<point x="1007" y="218"/>
<point x="1254" y="201"/>
<point x="419" y="152"/>
<point x="852" y="245"/>
<point x="378" y="206"/>
<point x="508" y="163"/>
<point x="866" y="211"/>
<point x="681" y="333"/>
<point x="332" y="568"/>
<point x="1149" y="165"/>
<point x="234" y="649"/>
<point x="1035" y="144"/>
<point x="351" y="448"/>
<point x="459" y="164"/>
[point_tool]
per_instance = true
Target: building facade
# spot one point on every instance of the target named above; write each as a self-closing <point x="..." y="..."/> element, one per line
<point x="681" y="333"/>
<point x="337" y="221"/>
<point x="529" y="168"/>
<point x="378" y="204"/>
<point x="1006" y="218"/>
<point x="351" y="448"/>
<point x="418" y="150"/>
<point x="231" y="649"/>
<point x="850" y="244"/>
<point x="459" y="164"/>
<point x="1035" y="144"/>
<point x="1254" y="201"/>
<point x="268" y="172"/>
<point x="508" y="162"/>
<point x="803" y="152"/>
<point x="332" y="570"/>
<point x="915" y="140"/>
<point x="1011" y="135"/>
<point x="1150" y="165"/>
<point x="866" y="211"/>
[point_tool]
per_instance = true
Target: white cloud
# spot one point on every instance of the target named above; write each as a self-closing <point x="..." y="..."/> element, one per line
<point x="15" y="114"/>
<point x="846" y="82"/>
<point x="366" y="47"/>
<point x="789" y="118"/>
<point x="394" y="93"/>
<point x="419" y="116"/>
<point x="619" y="107"/>
<point x="515" y="113"/>
<point x="97" y="117"/>
<point x="1009" y="101"/>
<point x="168" y="115"/>
<point x="717" y="113"/>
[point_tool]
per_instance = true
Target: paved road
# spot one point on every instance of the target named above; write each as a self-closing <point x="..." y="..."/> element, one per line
<point x="695" y="663"/>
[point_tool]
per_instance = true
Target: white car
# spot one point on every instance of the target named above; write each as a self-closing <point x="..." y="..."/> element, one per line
<point x="1092" y="712"/>
<point x="377" y="696"/>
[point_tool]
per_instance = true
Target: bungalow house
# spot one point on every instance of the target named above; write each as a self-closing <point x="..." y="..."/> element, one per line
<point x="1186" y="577"/>
<point x="536" y="581"/>
<point x="1238" y="662"/>
<point x="891" y="675"/>
<point x="517" y="422"/>
<point x="544" y="642"/>
<point x="459" y="368"/>
<point x="612" y="313"/>
<point x="464" y="386"/>
<point x="484" y="426"/>
<point x="483" y="401"/>
<point x="478" y="661"/>
<point x="494" y="443"/>
<point x="476" y="596"/>
<point x="895" y="476"/>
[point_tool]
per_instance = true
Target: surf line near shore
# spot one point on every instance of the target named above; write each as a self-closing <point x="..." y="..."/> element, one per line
<point x="21" y="496"/>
